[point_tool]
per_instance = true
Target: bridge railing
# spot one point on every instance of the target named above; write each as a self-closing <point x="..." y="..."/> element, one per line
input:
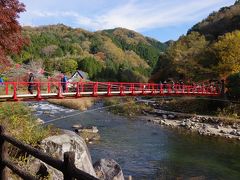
<point x="66" y="166"/>
<point x="41" y="90"/>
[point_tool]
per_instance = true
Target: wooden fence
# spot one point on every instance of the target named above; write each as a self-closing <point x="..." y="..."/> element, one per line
<point x="66" y="166"/>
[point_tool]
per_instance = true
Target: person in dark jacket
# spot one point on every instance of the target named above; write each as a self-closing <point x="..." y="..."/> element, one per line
<point x="64" y="82"/>
<point x="30" y="83"/>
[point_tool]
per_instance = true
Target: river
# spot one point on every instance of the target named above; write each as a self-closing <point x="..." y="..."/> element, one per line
<point x="148" y="151"/>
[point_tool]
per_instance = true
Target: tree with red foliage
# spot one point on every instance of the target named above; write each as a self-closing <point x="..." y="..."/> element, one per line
<point x="11" y="39"/>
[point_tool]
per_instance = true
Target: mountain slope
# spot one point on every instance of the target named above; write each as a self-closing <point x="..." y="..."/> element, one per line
<point x="227" y="19"/>
<point x="147" y="48"/>
<point x="210" y="50"/>
<point x="105" y="55"/>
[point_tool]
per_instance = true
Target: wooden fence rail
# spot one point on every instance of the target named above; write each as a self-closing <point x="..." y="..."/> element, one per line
<point x="66" y="166"/>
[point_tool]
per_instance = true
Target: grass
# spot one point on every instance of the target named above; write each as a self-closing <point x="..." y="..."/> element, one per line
<point x="125" y="106"/>
<point x="19" y="122"/>
<point x="230" y="110"/>
<point x="79" y="104"/>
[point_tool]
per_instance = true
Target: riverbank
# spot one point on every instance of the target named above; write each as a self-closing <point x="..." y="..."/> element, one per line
<point x="211" y="106"/>
<point x="227" y="125"/>
<point x="203" y="125"/>
<point x="77" y="104"/>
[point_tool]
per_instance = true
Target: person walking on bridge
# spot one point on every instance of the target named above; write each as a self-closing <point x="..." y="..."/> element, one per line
<point x="30" y="83"/>
<point x="64" y="82"/>
<point x="1" y="81"/>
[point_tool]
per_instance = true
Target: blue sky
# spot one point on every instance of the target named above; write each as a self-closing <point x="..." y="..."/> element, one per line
<point x="160" y="19"/>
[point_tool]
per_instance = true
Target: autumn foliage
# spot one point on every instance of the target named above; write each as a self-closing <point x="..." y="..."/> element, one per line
<point x="11" y="39"/>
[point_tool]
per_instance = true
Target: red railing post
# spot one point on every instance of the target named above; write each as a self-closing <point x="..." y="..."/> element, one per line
<point x="82" y="87"/>
<point x="152" y="89"/>
<point x="15" y="91"/>
<point x="77" y="91"/>
<point x="121" y="90"/>
<point x="194" y="89"/>
<point x="161" y="88"/>
<point x="133" y="89"/>
<point x="109" y="89"/>
<point x="38" y="91"/>
<point x="6" y="87"/>
<point x="169" y="88"/>
<point x="143" y="87"/>
<point x="48" y="87"/>
<point x="95" y="88"/>
<point x="188" y="89"/>
<point x="59" y="91"/>
<point x="176" y="89"/>
<point x="183" y="89"/>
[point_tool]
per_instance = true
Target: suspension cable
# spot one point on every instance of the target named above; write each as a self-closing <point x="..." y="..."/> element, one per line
<point x="90" y="110"/>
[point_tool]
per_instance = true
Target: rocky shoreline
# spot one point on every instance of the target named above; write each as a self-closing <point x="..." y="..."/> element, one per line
<point x="203" y="125"/>
<point x="68" y="141"/>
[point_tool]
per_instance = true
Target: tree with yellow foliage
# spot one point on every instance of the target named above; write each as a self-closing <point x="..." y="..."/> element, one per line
<point x="227" y="51"/>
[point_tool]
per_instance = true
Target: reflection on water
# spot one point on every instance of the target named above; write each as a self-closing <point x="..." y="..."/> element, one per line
<point x="146" y="151"/>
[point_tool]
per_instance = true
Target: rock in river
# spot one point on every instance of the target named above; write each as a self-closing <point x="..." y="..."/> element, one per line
<point x="69" y="141"/>
<point x="89" y="134"/>
<point x="108" y="169"/>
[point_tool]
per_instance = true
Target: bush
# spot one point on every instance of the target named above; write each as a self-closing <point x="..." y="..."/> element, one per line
<point x="125" y="106"/>
<point x="233" y="85"/>
<point x="19" y="122"/>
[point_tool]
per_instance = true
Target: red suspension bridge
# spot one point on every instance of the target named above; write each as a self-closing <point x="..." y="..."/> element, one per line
<point x="17" y="91"/>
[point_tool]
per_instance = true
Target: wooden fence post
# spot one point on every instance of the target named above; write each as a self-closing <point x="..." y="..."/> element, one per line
<point x="69" y="159"/>
<point x="3" y="155"/>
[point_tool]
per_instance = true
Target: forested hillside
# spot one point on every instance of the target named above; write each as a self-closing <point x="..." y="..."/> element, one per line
<point x="210" y="50"/>
<point x="227" y="19"/>
<point x="113" y="55"/>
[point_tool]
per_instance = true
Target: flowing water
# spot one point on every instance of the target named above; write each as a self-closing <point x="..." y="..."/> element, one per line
<point x="147" y="151"/>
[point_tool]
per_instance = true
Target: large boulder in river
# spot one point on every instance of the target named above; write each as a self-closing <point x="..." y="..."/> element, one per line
<point x="108" y="169"/>
<point x="68" y="141"/>
<point x="89" y="134"/>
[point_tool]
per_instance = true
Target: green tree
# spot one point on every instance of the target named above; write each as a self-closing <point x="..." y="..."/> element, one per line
<point x="233" y="85"/>
<point x="164" y="69"/>
<point x="91" y="66"/>
<point x="68" y="66"/>
<point x="228" y="54"/>
<point x="185" y="55"/>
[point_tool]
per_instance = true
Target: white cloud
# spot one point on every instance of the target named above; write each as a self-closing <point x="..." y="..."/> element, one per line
<point x="134" y="14"/>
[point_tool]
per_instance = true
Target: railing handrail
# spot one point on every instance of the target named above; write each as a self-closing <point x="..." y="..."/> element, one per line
<point x="61" y="89"/>
<point x="66" y="166"/>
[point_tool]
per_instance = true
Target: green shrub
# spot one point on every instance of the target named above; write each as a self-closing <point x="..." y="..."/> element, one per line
<point x="233" y="85"/>
<point x="125" y="106"/>
<point x="19" y="122"/>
